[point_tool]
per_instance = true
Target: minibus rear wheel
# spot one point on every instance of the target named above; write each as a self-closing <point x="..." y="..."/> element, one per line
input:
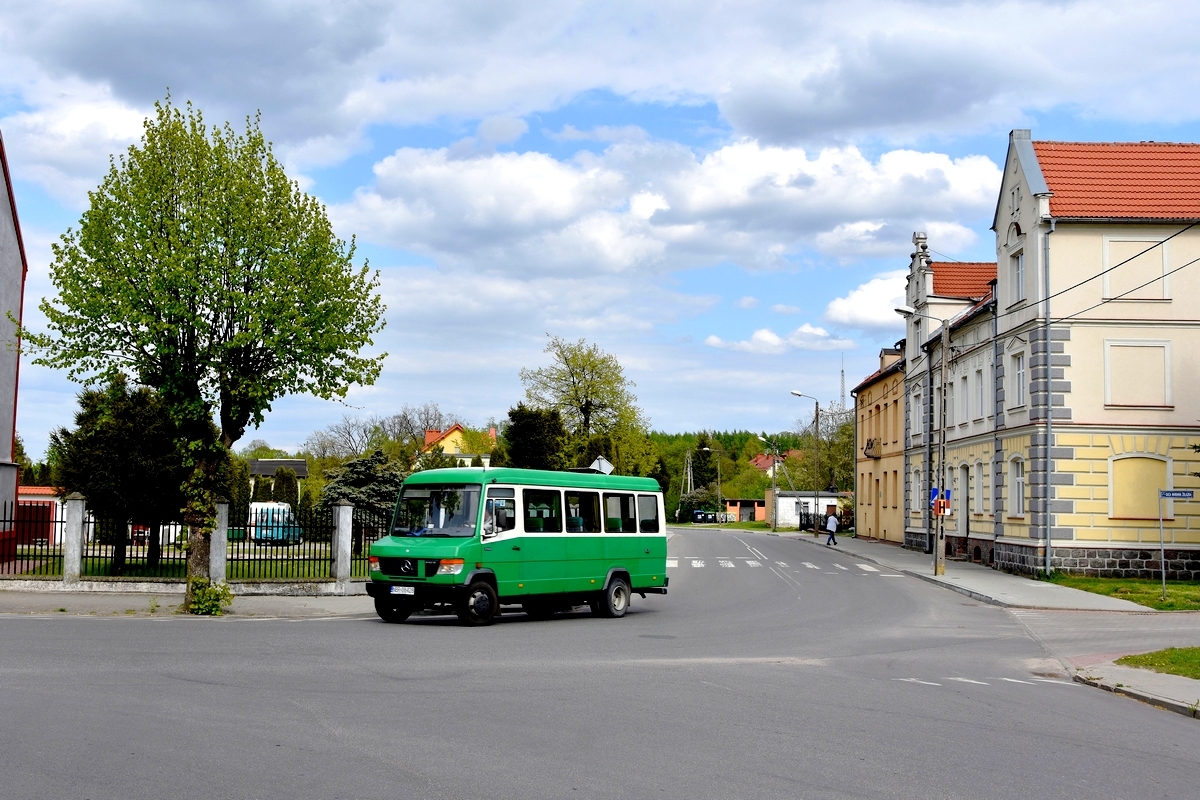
<point x="615" y="600"/>
<point x="391" y="611"/>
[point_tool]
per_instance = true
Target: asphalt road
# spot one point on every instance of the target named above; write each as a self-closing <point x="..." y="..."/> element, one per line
<point x="772" y="669"/>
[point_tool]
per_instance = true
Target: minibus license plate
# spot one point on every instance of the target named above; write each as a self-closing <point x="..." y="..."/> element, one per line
<point x="404" y="590"/>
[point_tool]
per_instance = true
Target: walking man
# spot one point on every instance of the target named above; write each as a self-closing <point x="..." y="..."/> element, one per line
<point x="831" y="525"/>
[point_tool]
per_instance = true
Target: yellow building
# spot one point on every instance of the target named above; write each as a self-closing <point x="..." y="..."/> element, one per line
<point x="464" y="445"/>
<point x="1068" y="399"/>
<point x="879" y="420"/>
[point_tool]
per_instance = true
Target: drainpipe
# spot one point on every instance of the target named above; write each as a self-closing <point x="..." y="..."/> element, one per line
<point x="997" y="457"/>
<point x="1049" y="389"/>
<point x="928" y="453"/>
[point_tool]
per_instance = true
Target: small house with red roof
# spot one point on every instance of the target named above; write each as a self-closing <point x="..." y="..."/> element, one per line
<point x="464" y="445"/>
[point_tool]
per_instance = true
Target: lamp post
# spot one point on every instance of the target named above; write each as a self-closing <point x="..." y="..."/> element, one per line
<point x="720" y="501"/>
<point x="939" y="547"/>
<point x="817" y="454"/>
<point x="773" y="447"/>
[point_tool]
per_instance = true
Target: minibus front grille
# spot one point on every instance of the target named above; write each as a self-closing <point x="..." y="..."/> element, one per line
<point x="431" y="568"/>
<point x="399" y="566"/>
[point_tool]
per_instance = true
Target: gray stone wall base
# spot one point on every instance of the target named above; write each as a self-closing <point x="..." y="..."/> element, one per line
<point x="1108" y="561"/>
<point x="914" y="540"/>
<point x="245" y="589"/>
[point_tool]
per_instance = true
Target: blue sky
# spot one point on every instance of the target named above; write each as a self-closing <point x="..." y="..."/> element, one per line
<point x="720" y="195"/>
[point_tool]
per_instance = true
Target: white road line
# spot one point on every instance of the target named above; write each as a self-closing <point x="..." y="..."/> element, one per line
<point x="672" y="562"/>
<point x="967" y="680"/>
<point x="725" y="563"/>
<point x="889" y="575"/>
<point x="914" y="680"/>
<point x="753" y="564"/>
<point x="866" y="567"/>
<point x="697" y="562"/>
<point x="1058" y="683"/>
<point x="811" y="565"/>
<point x="839" y="566"/>
<point x="1014" y="680"/>
<point x="783" y="564"/>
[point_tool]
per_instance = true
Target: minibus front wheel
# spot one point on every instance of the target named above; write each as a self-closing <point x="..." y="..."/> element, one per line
<point x="391" y="611"/>
<point x="480" y="604"/>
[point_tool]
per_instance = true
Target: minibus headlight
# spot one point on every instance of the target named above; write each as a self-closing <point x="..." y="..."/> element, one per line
<point x="373" y="564"/>
<point x="450" y="566"/>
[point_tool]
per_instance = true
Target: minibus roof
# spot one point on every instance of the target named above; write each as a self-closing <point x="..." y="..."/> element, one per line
<point x="532" y="477"/>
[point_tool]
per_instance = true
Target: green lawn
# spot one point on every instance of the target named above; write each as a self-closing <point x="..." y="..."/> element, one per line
<point x="1181" y="595"/>
<point x="1183" y="661"/>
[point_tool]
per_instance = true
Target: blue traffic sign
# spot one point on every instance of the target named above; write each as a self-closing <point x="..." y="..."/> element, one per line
<point x="1176" y="494"/>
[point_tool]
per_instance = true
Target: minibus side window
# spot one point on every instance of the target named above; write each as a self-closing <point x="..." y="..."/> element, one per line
<point x="543" y="510"/>
<point x="648" y="513"/>
<point x="619" y="516"/>
<point x="501" y="509"/>
<point x="583" y="512"/>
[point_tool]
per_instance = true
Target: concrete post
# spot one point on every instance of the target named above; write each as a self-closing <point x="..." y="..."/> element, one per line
<point x="343" y="523"/>
<point x="219" y="543"/>
<point x="72" y="543"/>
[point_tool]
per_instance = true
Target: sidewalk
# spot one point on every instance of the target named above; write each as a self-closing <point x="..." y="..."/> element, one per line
<point x="974" y="580"/>
<point x="115" y="604"/>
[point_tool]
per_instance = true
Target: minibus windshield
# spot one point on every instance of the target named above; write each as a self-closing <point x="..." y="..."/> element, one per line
<point x="450" y="511"/>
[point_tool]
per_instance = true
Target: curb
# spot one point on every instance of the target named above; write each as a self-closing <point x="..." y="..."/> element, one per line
<point x="1150" y="699"/>
<point x="244" y="589"/>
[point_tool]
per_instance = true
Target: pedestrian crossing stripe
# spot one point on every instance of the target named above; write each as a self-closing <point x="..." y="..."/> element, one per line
<point x="697" y="562"/>
<point x="725" y="563"/>
<point x="672" y="562"/>
<point x="753" y="564"/>
<point x="866" y="567"/>
<point x="811" y="565"/>
<point x="839" y="566"/>
<point x="782" y="564"/>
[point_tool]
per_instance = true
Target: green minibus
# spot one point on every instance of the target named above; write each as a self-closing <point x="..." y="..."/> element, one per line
<point x="470" y="540"/>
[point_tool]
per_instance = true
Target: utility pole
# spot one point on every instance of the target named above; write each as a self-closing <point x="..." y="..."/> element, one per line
<point x="939" y="548"/>
<point x="817" y="448"/>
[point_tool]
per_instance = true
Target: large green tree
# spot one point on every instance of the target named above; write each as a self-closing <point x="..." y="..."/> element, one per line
<point x="201" y="270"/>
<point x="588" y="388"/>
<point x="534" y="438"/>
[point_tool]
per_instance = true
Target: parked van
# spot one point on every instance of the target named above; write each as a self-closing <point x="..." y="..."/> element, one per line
<point x="469" y="540"/>
<point x="274" y="523"/>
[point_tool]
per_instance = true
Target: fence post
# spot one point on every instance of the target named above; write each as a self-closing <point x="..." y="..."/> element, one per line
<point x="72" y="544"/>
<point x="219" y="543"/>
<point x="343" y="524"/>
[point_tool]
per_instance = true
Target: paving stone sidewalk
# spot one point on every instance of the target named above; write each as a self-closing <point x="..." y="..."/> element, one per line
<point x="114" y="604"/>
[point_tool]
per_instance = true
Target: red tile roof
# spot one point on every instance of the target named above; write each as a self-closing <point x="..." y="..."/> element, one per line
<point x="1143" y="180"/>
<point x="37" y="490"/>
<point x="962" y="278"/>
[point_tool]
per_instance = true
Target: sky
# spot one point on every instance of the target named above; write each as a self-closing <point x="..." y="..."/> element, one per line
<point x="722" y="195"/>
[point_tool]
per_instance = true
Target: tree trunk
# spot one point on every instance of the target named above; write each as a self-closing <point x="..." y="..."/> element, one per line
<point x="199" y="544"/>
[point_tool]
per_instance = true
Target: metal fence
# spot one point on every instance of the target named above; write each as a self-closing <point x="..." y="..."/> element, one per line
<point x="31" y="536"/>
<point x="124" y="549"/>
<point x="287" y="546"/>
<point x="368" y="527"/>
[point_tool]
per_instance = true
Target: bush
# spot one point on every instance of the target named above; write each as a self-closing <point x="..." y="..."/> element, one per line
<point x="699" y="500"/>
<point x="208" y="598"/>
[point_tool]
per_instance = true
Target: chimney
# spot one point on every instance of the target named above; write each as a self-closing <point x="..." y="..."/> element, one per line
<point x="492" y="433"/>
<point x="431" y="436"/>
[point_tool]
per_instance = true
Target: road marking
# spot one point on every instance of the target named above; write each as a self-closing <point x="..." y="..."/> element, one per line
<point x="1014" y="680"/>
<point x="725" y="563"/>
<point x="839" y="566"/>
<point x="811" y="565"/>
<point x="1058" y="683"/>
<point x="697" y="562"/>
<point x="672" y="562"/>
<point x="783" y="564"/>
<point x="914" y="680"/>
<point x="889" y="575"/>
<point x="968" y="680"/>
<point x="753" y="564"/>
<point x="866" y="567"/>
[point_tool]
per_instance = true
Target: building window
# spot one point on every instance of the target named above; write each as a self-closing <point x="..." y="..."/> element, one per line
<point x="917" y="492"/>
<point x="965" y="401"/>
<point x="1018" y="380"/>
<point x="979" y="493"/>
<point x="1016" y="488"/>
<point x="949" y="404"/>
<point x="979" y="394"/>
<point x="1014" y="201"/>
<point x="895" y="488"/>
<point x="1017" y="268"/>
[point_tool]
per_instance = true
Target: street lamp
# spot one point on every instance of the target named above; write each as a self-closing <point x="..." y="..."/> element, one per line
<point x="720" y="502"/>
<point x="774" y="449"/>
<point x="939" y="546"/>
<point x="817" y="454"/>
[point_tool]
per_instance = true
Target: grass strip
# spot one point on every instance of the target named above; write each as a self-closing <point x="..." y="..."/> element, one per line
<point x="1181" y="595"/>
<point x="1183" y="661"/>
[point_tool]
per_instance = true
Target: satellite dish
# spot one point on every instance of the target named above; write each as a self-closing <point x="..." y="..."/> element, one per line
<point x="602" y="465"/>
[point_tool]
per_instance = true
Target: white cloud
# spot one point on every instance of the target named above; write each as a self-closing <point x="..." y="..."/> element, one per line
<point x="871" y="305"/>
<point x="747" y="302"/>
<point x="781" y="308"/>
<point x="600" y="133"/>
<point x="766" y="342"/>
<point x="500" y="129"/>
<point x="659" y="207"/>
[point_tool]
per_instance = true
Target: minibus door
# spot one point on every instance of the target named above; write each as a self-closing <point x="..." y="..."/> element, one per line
<point x="502" y="539"/>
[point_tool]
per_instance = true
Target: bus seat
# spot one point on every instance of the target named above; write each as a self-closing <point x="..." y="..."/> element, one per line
<point x="613" y="524"/>
<point x="534" y="524"/>
<point x="574" y="524"/>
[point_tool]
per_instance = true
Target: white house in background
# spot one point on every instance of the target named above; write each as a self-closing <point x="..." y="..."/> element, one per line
<point x="12" y="291"/>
